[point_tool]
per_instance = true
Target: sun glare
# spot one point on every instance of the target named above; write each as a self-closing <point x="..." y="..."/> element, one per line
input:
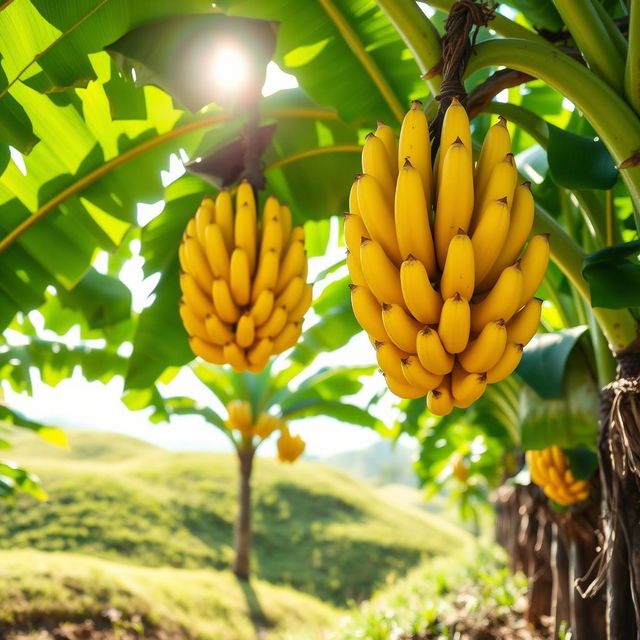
<point x="230" y="68"/>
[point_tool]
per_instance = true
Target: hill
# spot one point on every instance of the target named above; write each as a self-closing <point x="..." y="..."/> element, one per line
<point x="315" y="529"/>
<point x="381" y="463"/>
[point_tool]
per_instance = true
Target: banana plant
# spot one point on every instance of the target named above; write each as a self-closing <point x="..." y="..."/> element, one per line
<point x="256" y="406"/>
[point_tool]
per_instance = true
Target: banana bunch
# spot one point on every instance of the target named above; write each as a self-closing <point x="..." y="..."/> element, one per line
<point x="549" y="469"/>
<point x="440" y="282"/>
<point x="289" y="447"/>
<point x="244" y="290"/>
<point x="241" y="419"/>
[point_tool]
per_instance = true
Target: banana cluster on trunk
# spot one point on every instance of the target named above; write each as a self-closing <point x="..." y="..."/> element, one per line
<point x="550" y="470"/>
<point x="244" y="290"/>
<point x="440" y="280"/>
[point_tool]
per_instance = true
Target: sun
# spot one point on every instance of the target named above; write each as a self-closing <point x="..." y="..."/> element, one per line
<point x="230" y="68"/>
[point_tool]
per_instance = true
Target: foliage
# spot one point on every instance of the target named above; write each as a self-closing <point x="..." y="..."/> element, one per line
<point x="315" y="529"/>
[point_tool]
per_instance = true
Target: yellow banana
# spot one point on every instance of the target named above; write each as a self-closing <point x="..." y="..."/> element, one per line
<point x="501" y="302"/>
<point x="502" y="184"/>
<point x="417" y="376"/>
<point x="291" y="295"/>
<point x="216" y="251"/>
<point x="205" y="215"/>
<point x="400" y="327"/>
<point x="192" y="322"/>
<point x="420" y="297"/>
<point x="390" y="142"/>
<point x="489" y="236"/>
<point x="182" y="257"/>
<point x="355" y="270"/>
<point x="245" y="331"/>
<point x="218" y="332"/>
<point x="209" y="352"/>
<point x="466" y="387"/>
<point x="198" y="263"/>
<point x="224" y="218"/>
<point x="292" y="265"/>
<point x="432" y="354"/>
<point x="389" y="357"/>
<point x="507" y="364"/>
<point x="297" y="313"/>
<point x="354" y="208"/>
<point x="266" y="425"/>
<point x="534" y="262"/>
<point x="240" y="277"/>
<point x="454" y="324"/>
<point x="259" y="353"/>
<point x="440" y="400"/>
<point x="559" y="460"/>
<point x="375" y="163"/>
<point x="190" y="231"/>
<point x="235" y="356"/>
<point x="286" y="222"/>
<point x="485" y="351"/>
<point x="455" y="197"/>
<point x="240" y="416"/>
<point x="403" y="390"/>
<point x="415" y="144"/>
<point x="354" y="231"/>
<point x="455" y="125"/>
<point x="262" y="307"/>
<point x="412" y="219"/>
<point x="524" y="324"/>
<point x="520" y="223"/>
<point x="496" y="145"/>
<point x="274" y="325"/>
<point x="223" y="302"/>
<point x="193" y="296"/>
<point x="533" y="470"/>
<point x="368" y="312"/>
<point x="382" y="276"/>
<point x="271" y="228"/>
<point x="377" y="216"/>
<point x="458" y="273"/>
<point x="245" y="232"/>
<point x="568" y="478"/>
<point x="287" y="338"/>
<point x="266" y="274"/>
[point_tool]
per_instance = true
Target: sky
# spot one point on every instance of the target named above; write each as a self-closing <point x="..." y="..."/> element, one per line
<point x="77" y="403"/>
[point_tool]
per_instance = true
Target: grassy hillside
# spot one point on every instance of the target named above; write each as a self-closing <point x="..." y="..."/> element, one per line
<point x="315" y="528"/>
<point x="44" y="590"/>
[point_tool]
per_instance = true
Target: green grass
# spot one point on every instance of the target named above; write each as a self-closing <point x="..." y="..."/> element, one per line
<point x="42" y="590"/>
<point x="315" y="529"/>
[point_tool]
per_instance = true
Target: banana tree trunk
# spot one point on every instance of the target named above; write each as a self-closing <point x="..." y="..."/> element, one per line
<point x="242" y="529"/>
<point x="619" y="453"/>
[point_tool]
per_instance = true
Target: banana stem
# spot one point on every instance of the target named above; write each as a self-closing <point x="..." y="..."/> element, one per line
<point x="605" y="362"/>
<point x="593" y="40"/>
<point x="610" y="213"/>
<point x="616" y="123"/>
<point x="500" y="24"/>
<point x="418" y="33"/>
<point x="618" y="325"/>
<point x="618" y="40"/>
<point x="632" y="67"/>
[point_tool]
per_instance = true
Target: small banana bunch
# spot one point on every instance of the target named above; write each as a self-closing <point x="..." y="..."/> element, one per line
<point x="549" y="469"/>
<point x="289" y="447"/>
<point x="442" y="289"/>
<point x="244" y="290"/>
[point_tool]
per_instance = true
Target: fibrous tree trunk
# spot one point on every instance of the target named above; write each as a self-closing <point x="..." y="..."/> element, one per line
<point x="619" y="454"/>
<point x="242" y="529"/>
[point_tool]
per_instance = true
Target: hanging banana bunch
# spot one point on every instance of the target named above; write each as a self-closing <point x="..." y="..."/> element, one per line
<point x="435" y="253"/>
<point x="241" y="420"/>
<point x="244" y="290"/>
<point x="549" y="469"/>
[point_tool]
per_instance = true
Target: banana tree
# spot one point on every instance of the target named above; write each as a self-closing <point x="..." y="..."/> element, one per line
<point x="259" y="405"/>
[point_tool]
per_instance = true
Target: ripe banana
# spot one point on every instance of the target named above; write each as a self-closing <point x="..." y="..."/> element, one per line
<point x="287" y="337"/>
<point x="390" y="142"/>
<point x="274" y="325"/>
<point x="454" y="126"/>
<point x="235" y="356"/>
<point x="292" y="264"/>
<point x="355" y="270"/>
<point x="524" y="324"/>
<point x="412" y="219"/>
<point x="432" y="354"/>
<point x="368" y="312"/>
<point x="375" y="163"/>
<point x="419" y="296"/>
<point x="507" y="364"/>
<point x="297" y="313"/>
<point x="389" y="357"/>
<point x="259" y="353"/>
<point x="286" y="222"/>
<point x="354" y="231"/>
<point x="400" y="327"/>
<point x="218" y="332"/>
<point x="209" y="352"/>
<point x="216" y="251"/>
<point x="403" y="390"/>
<point x="205" y="215"/>
<point x="458" y="272"/>
<point x="496" y="145"/>
<point x="485" y="351"/>
<point x="192" y="322"/>
<point x="489" y="236"/>
<point x="466" y="387"/>
<point x="534" y="262"/>
<point x="502" y="184"/>
<point x="262" y="307"/>
<point x="291" y="295"/>
<point x="377" y="216"/>
<point x="245" y="231"/>
<point x="354" y="208"/>
<point x="225" y="307"/>
<point x="194" y="297"/>
<point x="440" y="400"/>
<point x="501" y="302"/>
<point x="245" y="331"/>
<point x="454" y="324"/>
<point x="240" y="277"/>
<point x="266" y="276"/>
<point x="382" y="276"/>
<point x="199" y="267"/>
<point x="415" y="144"/>
<point x="271" y="228"/>
<point x="455" y="197"/>
<point x="417" y="376"/>
<point x="224" y="219"/>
